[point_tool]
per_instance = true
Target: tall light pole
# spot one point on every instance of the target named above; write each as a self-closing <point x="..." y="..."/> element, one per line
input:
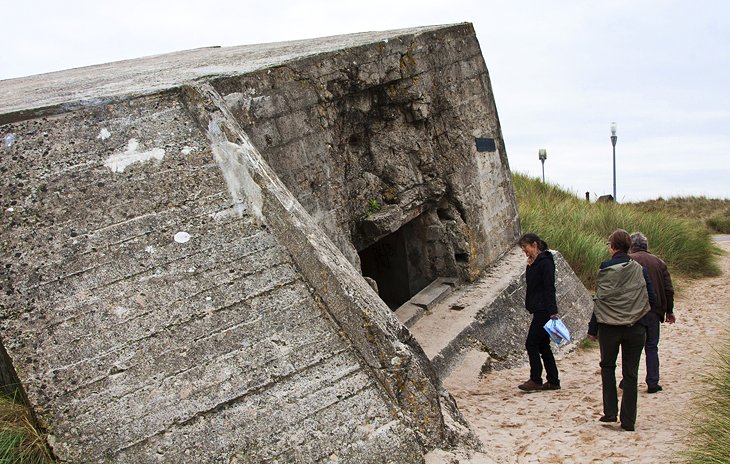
<point x="613" y="142"/>
<point x="542" y="154"/>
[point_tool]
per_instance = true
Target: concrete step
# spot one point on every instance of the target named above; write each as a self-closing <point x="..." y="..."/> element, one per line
<point x="446" y="331"/>
<point x="422" y="302"/>
<point x="408" y="313"/>
<point x="483" y="325"/>
<point x="434" y="293"/>
<point x="474" y="364"/>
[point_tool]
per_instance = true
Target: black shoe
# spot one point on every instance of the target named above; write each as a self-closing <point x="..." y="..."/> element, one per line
<point x="628" y="428"/>
<point x="654" y="389"/>
<point x="608" y="419"/>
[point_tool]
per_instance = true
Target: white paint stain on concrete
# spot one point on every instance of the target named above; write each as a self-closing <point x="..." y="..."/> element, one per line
<point x="182" y="237"/>
<point x="245" y="100"/>
<point x="234" y="161"/>
<point x="8" y="141"/>
<point x="222" y="214"/>
<point x="120" y="161"/>
<point x="120" y="311"/>
<point x="103" y="134"/>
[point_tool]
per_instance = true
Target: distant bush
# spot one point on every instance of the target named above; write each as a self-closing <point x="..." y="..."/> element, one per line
<point x="579" y="230"/>
<point x="719" y="224"/>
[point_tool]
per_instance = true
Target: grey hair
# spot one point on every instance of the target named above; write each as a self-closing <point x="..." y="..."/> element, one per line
<point x="639" y="241"/>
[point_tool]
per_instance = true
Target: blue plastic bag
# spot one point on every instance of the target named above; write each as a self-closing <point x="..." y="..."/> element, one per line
<point x="557" y="330"/>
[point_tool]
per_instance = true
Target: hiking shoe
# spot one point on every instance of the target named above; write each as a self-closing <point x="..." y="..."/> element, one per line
<point x="654" y="389"/>
<point x="608" y="419"/>
<point x="628" y="428"/>
<point x="550" y="386"/>
<point x="530" y="385"/>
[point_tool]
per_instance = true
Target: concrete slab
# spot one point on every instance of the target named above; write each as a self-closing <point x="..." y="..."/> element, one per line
<point x="469" y="371"/>
<point x="409" y="313"/>
<point x="457" y="312"/>
<point x="434" y="293"/>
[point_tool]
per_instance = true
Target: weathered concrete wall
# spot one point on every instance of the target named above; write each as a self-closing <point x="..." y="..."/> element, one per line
<point x="166" y="298"/>
<point x="487" y="322"/>
<point x="503" y="325"/>
<point x="393" y="122"/>
<point x="135" y="347"/>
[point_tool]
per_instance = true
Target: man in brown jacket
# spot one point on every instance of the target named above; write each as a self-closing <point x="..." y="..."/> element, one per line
<point x="661" y="311"/>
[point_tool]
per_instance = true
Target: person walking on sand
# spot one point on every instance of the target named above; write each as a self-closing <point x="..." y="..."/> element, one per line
<point x="540" y="301"/>
<point x="624" y="295"/>
<point x="663" y="309"/>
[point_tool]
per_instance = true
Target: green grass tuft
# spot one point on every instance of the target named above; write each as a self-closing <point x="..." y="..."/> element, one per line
<point x="20" y="440"/>
<point x="579" y="230"/>
<point x="587" y="344"/>
<point x="711" y="433"/>
<point x="373" y="206"/>
<point x="719" y="224"/>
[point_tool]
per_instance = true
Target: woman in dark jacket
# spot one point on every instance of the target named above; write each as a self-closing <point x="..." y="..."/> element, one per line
<point x="541" y="303"/>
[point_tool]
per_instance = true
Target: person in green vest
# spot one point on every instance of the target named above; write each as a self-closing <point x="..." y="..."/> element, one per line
<point x="624" y="296"/>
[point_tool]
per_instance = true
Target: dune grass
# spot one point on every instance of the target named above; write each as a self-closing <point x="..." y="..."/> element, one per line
<point x="714" y="213"/>
<point x="720" y="224"/>
<point x="20" y="440"/>
<point x="579" y="230"/>
<point x="711" y="434"/>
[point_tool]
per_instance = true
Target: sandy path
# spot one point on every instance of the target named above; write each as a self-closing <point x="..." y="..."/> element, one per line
<point x="562" y="426"/>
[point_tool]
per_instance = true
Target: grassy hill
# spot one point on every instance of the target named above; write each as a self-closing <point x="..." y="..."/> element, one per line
<point x="579" y="230"/>
<point x="714" y="213"/>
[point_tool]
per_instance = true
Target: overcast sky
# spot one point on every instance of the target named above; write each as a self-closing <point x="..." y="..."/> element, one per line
<point x="561" y="70"/>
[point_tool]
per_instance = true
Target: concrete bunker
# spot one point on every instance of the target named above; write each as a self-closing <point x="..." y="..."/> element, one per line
<point x="254" y="339"/>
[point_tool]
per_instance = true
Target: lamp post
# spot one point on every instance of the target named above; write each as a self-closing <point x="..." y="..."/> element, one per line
<point x="542" y="154"/>
<point x="613" y="142"/>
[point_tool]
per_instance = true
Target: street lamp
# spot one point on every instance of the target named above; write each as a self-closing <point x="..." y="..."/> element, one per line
<point x="542" y="154"/>
<point x="613" y="142"/>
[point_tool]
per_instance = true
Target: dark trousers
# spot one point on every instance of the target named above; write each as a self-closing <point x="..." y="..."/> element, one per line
<point x="630" y="340"/>
<point x="538" y="346"/>
<point x="651" y="349"/>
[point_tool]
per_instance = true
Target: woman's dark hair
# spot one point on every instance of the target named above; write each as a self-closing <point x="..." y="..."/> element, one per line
<point x="620" y="240"/>
<point x="533" y="238"/>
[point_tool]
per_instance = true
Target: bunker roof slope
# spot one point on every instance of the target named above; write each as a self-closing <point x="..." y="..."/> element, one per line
<point x="98" y="84"/>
